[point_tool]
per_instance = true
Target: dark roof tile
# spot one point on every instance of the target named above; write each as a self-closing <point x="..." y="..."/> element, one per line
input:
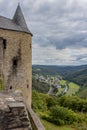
<point x="18" y="22"/>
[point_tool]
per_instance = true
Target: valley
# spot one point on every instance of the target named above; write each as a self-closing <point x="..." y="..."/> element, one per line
<point x="59" y="96"/>
<point x="54" y="84"/>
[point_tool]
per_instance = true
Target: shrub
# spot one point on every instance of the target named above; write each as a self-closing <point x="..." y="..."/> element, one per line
<point x="42" y="102"/>
<point x="1" y="85"/>
<point x="60" y="116"/>
<point x="51" y="101"/>
<point x="39" y="102"/>
<point x="74" y="103"/>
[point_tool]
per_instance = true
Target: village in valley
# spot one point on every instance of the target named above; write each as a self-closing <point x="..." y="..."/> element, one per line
<point x="57" y="86"/>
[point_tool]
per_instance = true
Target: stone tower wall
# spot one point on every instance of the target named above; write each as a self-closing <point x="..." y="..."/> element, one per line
<point x="16" y="56"/>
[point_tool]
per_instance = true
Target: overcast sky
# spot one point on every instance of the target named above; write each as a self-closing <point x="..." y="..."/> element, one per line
<point x="59" y="28"/>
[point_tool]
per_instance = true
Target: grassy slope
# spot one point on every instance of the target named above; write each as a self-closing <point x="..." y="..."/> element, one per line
<point x="50" y="126"/>
<point x="40" y="105"/>
<point x="83" y="93"/>
<point x="73" y="88"/>
<point x="1" y="87"/>
<point x="63" y="82"/>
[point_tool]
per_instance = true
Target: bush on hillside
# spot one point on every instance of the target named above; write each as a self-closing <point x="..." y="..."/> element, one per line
<point x="39" y="102"/>
<point x="74" y="103"/>
<point x="62" y="116"/>
<point x="42" y="102"/>
<point x="51" y="101"/>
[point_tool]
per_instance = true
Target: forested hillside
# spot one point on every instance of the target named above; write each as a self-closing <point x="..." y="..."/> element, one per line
<point x="77" y="74"/>
<point x="79" y="77"/>
<point x="41" y="87"/>
<point x="69" y="111"/>
<point x="67" y="105"/>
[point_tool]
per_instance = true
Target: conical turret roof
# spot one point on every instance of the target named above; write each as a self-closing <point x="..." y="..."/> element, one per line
<point x="19" y="19"/>
<point x="18" y="22"/>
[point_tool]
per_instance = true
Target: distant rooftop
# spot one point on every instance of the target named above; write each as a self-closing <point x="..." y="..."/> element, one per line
<point x="18" y="22"/>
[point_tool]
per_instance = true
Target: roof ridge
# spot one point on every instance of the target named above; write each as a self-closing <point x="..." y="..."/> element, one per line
<point x="18" y="22"/>
<point x="5" y="17"/>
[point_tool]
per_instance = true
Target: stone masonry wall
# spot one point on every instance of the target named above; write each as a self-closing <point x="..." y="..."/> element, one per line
<point x="17" y="66"/>
<point x="13" y="113"/>
<point x="1" y="57"/>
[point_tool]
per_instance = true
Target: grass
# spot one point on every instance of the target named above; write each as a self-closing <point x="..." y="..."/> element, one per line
<point x="60" y="90"/>
<point x="1" y="85"/>
<point x="73" y="88"/>
<point x="50" y="126"/>
<point x="83" y="93"/>
<point x="63" y="82"/>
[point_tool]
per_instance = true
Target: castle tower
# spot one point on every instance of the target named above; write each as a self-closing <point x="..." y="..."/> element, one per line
<point x="16" y="54"/>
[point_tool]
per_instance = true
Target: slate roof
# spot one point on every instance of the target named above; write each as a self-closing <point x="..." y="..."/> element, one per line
<point x="18" y="22"/>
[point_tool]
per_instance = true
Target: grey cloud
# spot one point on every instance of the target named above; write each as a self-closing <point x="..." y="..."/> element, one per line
<point x="60" y="17"/>
<point x="72" y="41"/>
<point x="8" y="7"/>
<point x="61" y="23"/>
<point x="80" y="57"/>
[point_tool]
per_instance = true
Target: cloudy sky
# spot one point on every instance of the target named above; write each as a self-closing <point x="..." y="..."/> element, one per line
<point x="59" y="28"/>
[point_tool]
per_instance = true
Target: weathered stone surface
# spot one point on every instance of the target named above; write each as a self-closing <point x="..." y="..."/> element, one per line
<point x="15" y="62"/>
<point x="13" y="113"/>
<point x="16" y="54"/>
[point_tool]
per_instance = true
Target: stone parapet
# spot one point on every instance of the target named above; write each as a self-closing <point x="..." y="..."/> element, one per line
<point x="13" y="113"/>
<point x="35" y="121"/>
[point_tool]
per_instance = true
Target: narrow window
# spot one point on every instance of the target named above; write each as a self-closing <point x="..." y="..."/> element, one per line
<point x="15" y="62"/>
<point x="10" y="87"/>
<point x="27" y="86"/>
<point x="30" y="45"/>
<point x="4" y="43"/>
